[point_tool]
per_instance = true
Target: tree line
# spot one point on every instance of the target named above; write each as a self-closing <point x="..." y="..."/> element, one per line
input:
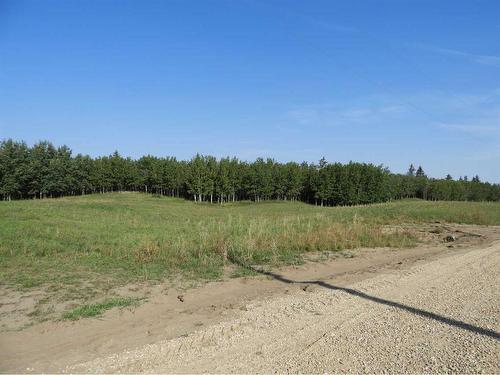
<point x="44" y="170"/>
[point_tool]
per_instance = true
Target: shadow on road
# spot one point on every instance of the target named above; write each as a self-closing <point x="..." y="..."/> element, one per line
<point x="426" y="314"/>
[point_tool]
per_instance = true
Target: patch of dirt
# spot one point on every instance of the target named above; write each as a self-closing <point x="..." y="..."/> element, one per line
<point x="16" y="307"/>
<point x="22" y="308"/>
<point x="52" y="345"/>
<point x="437" y="233"/>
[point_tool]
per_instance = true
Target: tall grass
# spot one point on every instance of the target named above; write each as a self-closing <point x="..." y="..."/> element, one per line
<point x="102" y="240"/>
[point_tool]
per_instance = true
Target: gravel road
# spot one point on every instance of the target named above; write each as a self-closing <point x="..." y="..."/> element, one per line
<point x="441" y="316"/>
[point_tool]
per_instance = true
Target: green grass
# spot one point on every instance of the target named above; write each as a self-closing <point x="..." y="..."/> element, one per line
<point x="243" y="272"/>
<point x="76" y="246"/>
<point x="96" y="309"/>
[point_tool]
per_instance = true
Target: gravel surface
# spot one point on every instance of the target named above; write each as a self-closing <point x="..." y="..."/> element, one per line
<point x="441" y="316"/>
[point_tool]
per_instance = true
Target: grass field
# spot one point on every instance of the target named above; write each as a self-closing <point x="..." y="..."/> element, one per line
<point x="79" y="245"/>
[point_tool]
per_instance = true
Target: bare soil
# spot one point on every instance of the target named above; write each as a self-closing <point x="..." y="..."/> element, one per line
<point x="180" y="316"/>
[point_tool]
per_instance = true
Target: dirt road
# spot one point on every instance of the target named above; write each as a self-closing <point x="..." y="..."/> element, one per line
<point x="426" y="308"/>
<point x="440" y="316"/>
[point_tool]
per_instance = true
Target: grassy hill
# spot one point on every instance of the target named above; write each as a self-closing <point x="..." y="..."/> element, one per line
<point x="93" y="242"/>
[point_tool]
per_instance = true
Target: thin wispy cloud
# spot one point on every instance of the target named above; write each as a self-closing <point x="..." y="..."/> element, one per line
<point x="480" y="130"/>
<point x="488" y="154"/>
<point x="329" y="26"/>
<point x="490" y="60"/>
<point x="303" y="116"/>
<point x="478" y="111"/>
<point x="325" y="25"/>
<point x="370" y="112"/>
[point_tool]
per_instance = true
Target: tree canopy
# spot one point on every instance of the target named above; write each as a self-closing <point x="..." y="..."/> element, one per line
<point x="44" y="170"/>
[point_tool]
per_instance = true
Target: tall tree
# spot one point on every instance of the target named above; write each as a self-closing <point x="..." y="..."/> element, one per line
<point x="411" y="170"/>
<point x="420" y="172"/>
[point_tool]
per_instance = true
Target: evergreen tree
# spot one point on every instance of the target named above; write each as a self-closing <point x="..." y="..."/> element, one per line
<point x="411" y="170"/>
<point x="420" y="172"/>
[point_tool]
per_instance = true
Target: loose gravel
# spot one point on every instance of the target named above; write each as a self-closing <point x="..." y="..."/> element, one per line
<point x="441" y="316"/>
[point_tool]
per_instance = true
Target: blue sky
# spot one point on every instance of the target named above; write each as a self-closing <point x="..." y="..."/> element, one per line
<point x="392" y="82"/>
